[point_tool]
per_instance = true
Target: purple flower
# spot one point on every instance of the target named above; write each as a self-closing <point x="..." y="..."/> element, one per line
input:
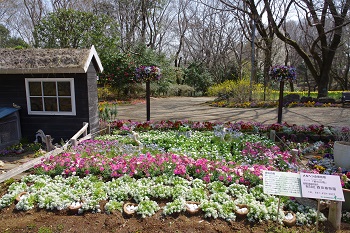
<point x="283" y="73"/>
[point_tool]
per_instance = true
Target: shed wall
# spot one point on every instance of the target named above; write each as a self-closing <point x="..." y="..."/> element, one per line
<point x="12" y="90"/>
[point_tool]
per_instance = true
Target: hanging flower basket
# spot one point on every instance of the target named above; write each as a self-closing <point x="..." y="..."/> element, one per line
<point x="192" y="207"/>
<point x="242" y="210"/>
<point x="147" y="73"/>
<point x="282" y="73"/>
<point x="129" y="208"/>
<point x="289" y="219"/>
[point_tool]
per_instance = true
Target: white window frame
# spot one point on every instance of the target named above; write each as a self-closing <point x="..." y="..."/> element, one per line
<point x="72" y="97"/>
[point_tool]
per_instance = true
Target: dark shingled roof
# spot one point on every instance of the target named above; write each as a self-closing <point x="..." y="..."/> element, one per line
<point x="68" y="60"/>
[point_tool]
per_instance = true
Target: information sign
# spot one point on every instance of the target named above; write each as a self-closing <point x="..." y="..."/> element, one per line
<point x="321" y="186"/>
<point x="282" y="183"/>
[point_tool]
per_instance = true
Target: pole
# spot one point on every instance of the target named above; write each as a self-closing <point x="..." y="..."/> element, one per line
<point x="278" y="208"/>
<point x="252" y="61"/>
<point x="148" y="100"/>
<point x="318" y="214"/>
<point x="280" y="103"/>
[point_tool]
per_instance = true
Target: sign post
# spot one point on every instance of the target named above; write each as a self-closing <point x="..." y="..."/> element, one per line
<point x="327" y="187"/>
<point x="281" y="183"/>
<point x="308" y="185"/>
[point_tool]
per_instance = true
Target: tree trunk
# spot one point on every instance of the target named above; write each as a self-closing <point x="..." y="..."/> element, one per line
<point x="267" y="64"/>
<point x="322" y="85"/>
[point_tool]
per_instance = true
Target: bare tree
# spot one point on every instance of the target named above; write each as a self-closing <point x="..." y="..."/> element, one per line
<point x="340" y="69"/>
<point x="327" y="18"/>
<point x="250" y="15"/>
<point x="211" y="39"/>
<point x="35" y="10"/>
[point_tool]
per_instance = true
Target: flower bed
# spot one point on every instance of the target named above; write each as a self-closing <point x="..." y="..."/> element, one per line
<point x="270" y="104"/>
<point x="338" y="133"/>
<point x="219" y="170"/>
<point x="59" y="193"/>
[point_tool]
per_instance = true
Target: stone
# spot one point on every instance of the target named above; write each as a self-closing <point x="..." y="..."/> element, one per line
<point x="2" y="163"/>
<point x="305" y="99"/>
<point x="291" y="98"/>
<point x="326" y="100"/>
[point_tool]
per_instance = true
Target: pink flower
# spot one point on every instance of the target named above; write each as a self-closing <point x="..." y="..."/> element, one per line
<point x="206" y="178"/>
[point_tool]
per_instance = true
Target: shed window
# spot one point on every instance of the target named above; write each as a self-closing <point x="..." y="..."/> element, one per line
<point x="50" y="96"/>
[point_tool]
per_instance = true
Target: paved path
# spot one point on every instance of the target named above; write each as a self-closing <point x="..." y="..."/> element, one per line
<point x="195" y="109"/>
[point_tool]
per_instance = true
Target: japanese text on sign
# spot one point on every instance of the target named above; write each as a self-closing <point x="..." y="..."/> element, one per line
<point x="321" y="186"/>
<point x="281" y="183"/>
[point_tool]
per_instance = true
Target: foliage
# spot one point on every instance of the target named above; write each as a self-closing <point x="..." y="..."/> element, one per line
<point x="21" y="148"/>
<point x="218" y="184"/>
<point x="180" y="90"/>
<point x="119" y="72"/>
<point x="221" y="89"/>
<point x="341" y="133"/>
<point x="77" y="29"/>
<point x="7" y="41"/>
<point x="107" y="112"/>
<point x="198" y="77"/>
<point x="105" y="93"/>
<point x="177" y="206"/>
<point x="237" y="90"/>
<point x="247" y="104"/>
<point x="345" y="217"/>
<point x="58" y="193"/>
<point x="209" y="157"/>
<point x="268" y="104"/>
<point x="147" y="208"/>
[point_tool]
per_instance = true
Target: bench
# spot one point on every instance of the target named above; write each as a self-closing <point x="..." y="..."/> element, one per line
<point x="345" y="98"/>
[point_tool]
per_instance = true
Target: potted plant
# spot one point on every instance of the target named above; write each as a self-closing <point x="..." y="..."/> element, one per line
<point x="130" y="208"/>
<point x="346" y="190"/>
<point x="242" y="210"/>
<point x="75" y="206"/>
<point x="289" y="219"/>
<point x="192" y="207"/>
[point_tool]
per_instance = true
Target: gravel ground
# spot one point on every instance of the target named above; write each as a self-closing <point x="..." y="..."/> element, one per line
<point x="196" y="109"/>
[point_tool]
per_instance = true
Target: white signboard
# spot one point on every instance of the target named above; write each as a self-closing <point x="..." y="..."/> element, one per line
<point x="282" y="183"/>
<point x="321" y="186"/>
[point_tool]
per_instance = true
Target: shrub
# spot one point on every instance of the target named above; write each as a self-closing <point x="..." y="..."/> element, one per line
<point x="180" y="90"/>
<point x="238" y="90"/>
<point x="105" y="93"/>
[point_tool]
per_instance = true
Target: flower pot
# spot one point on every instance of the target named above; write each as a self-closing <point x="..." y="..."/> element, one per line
<point x="242" y="210"/>
<point x="129" y="208"/>
<point x="289" y="219"/>
<point x="74" y="207"/>
<point x="19" y="196"/>
<point x="346" y="204"/>
<point x="192" y="207"/>
<point x="341" y="154"/>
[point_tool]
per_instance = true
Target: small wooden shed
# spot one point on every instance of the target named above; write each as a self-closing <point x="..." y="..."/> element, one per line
<point x="10" y="128"/>
<point x="55" y="89"/>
